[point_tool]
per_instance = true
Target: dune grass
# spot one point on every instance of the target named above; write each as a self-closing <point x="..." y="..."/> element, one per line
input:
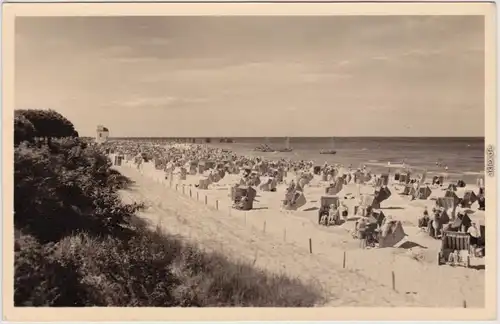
<point x="77" y="244"/>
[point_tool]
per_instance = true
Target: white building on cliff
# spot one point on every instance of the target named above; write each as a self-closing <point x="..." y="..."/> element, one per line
<point x="102" y="134"/>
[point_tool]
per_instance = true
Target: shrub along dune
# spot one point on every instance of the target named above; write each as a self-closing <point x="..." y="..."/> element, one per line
<point x="77" y="244"/>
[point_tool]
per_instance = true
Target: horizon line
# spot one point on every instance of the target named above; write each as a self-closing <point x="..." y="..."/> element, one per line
<point x="204" y="137"/>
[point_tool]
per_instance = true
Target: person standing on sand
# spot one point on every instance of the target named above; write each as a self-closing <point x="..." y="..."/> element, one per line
<point x="358" y="182"/>
<point x="344" y="210"/>
<point x="475" y="235"/>
<point x="450" y="212"/>
<point x="361" y="229"/>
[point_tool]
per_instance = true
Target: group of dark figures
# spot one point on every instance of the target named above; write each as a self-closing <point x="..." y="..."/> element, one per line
<point x="367" y="229"/>
<point x="439" y="223"/>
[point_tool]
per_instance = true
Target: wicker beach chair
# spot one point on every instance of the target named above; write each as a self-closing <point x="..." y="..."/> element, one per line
<point x="424" y="192"/>
<point x="451" y="242"/>
<point x="243" y="197"/>
<point x="469" y="198"/>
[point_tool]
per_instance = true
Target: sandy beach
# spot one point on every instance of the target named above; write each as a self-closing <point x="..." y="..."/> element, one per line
<point x="282" y="164"/>
<point x="278" y="240"/>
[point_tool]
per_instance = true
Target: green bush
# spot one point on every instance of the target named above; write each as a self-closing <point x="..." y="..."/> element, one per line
<point x="66" y="188"/>
<point x="149" y="269"/>
<point x="23" y="130"/>
<point x="43" y="279"/>
<point x="77" y="244"/>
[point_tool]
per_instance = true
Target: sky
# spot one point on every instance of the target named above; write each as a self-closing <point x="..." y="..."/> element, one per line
<point x="256" y="76"/>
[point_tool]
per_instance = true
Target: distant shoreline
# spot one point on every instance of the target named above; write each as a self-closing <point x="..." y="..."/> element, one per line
<point x="297" y="137"/>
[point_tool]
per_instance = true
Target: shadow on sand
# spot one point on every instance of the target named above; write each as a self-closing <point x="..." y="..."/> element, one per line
<point x="393" y="208"/>
<point x="409" y="245"/>
<point x="478" y="267"/>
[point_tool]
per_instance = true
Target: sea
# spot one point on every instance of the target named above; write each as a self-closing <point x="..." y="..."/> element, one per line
<point x="464" y="156"/>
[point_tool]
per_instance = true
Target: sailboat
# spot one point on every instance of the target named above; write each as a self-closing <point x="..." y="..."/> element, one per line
<point x="330" y="151"/>
<point x="287" y="147"/>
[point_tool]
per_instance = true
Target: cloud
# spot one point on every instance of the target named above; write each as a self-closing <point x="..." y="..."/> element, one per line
<point x="155" y="102"/>
<point x="157" y="41"/>
<point x="388" y="69"/>
<point x="115" y="50"/>
<point x="135" y="59"/>
<point x="151" y="102"/>
<point x="421" y="52"/>
<point x="380" y="58"/>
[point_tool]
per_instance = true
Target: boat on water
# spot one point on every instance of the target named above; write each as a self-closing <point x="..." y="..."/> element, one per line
<point x="226" y="140"/>
<point x="287" y="147"/>
<point x="264" y="147"/>
<point x="330" y="151"/>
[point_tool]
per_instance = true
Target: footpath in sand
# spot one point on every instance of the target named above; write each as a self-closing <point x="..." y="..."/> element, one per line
<point x="279" y="242"/>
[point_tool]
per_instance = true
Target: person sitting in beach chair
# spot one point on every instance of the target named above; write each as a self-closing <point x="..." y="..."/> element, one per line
<point x="323" y="218"/>
<point x="344" y="212"/>
<point x="454" y="258"/>
<point x="423" y="222"/>
<point x="481" y="201"/>
<point x="323" y="215"/>
<point x="435" y="226"/>
<point x="333" y="215"/>
<point x="359" y="209"/>
<point x="243" y="202"/>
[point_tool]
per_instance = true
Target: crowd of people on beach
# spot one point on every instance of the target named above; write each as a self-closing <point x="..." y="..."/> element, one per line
<point x="189" y="159"/>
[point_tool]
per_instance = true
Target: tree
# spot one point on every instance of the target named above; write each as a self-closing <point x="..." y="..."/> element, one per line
<point x="23" y="130"/>
<point x="48" y="123"/>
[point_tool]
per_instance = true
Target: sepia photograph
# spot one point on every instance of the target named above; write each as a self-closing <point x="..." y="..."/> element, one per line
<point x="251" y="160"/>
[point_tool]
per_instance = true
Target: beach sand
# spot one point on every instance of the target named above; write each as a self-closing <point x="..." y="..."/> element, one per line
<point x="278" y="241"/>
